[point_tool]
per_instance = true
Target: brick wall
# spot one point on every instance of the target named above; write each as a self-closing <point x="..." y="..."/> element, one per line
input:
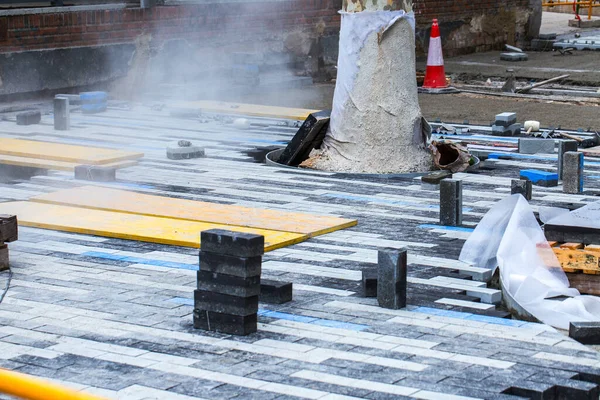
<point x="206" y="22"/>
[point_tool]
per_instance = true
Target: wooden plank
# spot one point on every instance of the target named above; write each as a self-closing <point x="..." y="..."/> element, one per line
<point x="552" y="243"/>
<point x="299" y="114"/>
<point x="64" y="152"/>
<point x="54" y="165"/>
<point x="131" y="226"/>
<point x="577" y="260"/>
<point x="572" y="246"/>
<point x="593" y="248"/>
<point x="102" y="198"/>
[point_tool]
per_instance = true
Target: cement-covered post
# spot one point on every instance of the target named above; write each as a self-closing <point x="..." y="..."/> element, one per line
<point x="376" y="124"/>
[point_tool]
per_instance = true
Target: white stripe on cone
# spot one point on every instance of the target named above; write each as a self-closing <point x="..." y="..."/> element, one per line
<point x="435" y="57"/>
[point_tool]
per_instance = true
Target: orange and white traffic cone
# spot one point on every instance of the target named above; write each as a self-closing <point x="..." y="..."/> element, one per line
<point x="435" y="77"/>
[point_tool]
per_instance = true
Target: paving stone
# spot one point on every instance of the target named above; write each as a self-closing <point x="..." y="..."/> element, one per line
<point x="540" y="178"/>
<point x="572" y="172"/>
<point x="236" y="244"/>
<point x="275" y="292"/>
<point x="521" y="186"/>
<point x="30" y="117"/>
<point x="9" y="228"/>
<point x="533" y="390"/>
<point x="225" y="323"/>
<point x="62" y="114"/>
<point x="536" y="145"/>
<point x="505" y="119"/>
<point x="309" y="137"/>
<point x="4" y="258"/>
<point x="225" y="304"/>
<point x="184" y="150"/>
<point x="451" y="202"/>
<point x="436" y="177"/>
<point x="228" y="284"/>
<point x="369" y="282"/>
<point x="242" y="267"/>
<point x="585" y="332"/>
<point x="514" y="56"/>
<point x="96" y="173"/>
<point x="391" y="278"/>
<point x="563" y="147"/>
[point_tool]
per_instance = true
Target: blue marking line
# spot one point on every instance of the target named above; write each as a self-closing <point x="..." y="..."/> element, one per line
<point x="446" y="228"/>
<point x="535" y="175"/>
<point x="495" y="156"/>
<point x="138" y="260"/>
<point x="470" y="317"/>
<point x="384" y="201"/>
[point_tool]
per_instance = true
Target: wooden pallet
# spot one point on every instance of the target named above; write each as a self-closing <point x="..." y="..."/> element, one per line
<point x="577" y="257"/>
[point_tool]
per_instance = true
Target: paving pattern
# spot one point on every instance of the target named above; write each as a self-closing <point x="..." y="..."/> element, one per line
<point x="113" y="317"/>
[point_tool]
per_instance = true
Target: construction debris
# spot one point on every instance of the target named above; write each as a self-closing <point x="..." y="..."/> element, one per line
<point x="542" y="83"/>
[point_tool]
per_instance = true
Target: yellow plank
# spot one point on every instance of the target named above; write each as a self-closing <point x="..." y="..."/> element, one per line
<point x="54" y="165"/>
<point x="571" y="246"/>
<point x="64" y="152"/>
<point x="101" y="198"/>
<point x="256" y="110"/>
<point x="130" y="226"/>
<point x="572" y="260"/>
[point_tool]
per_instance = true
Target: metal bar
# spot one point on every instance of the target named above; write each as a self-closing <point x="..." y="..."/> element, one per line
<point x="29" y="388"/>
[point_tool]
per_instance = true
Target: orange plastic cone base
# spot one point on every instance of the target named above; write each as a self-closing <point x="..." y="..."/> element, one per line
<point x="435" y="77"/>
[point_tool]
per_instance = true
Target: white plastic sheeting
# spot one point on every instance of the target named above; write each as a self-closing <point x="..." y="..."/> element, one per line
<point x="510" y="238"/>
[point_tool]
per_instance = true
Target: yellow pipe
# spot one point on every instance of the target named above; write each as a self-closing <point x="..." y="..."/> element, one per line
<point x="29" y="388"/>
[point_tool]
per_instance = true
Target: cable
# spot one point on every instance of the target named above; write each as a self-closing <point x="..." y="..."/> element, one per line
<point x="5" y="290"/>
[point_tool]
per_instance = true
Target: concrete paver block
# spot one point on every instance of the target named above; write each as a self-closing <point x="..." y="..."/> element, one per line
<point x="572" y="172"/>
<point x="391" y="278"/>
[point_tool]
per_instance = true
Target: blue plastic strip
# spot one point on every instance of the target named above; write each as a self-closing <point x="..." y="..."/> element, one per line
<point x="446" y="228"/>
<point x="138" y="260"/>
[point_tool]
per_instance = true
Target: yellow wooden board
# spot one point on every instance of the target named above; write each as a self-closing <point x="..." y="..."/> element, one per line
<point x="131" y="226"/>
<point x="54" y="165"/>
<point x="64" y="152"/>
<point x="256" y="110"/>
<point x="101" y="198"/>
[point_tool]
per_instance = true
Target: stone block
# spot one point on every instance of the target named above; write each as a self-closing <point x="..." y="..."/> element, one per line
<point x="522" y="187"/>
<point x="74" y="99"/>
<point x="224" y="303"/>
<point x="237" y="244"/>
<point x="436" y="177"/>
<point x="275" y="292"/>
<point x="228" y="284"/>
<point x="4" y="264"/>
<point x="242" y="267"/>
<point x="62" y="114"/>
<point x="512" y="130"/>
<point x="540" y="178"/>
<point x="534" y="146"/>
<point x="585" y="332"/>
<point x="9" y="228"/>
<point x="29" y="117"/>
<point x="369" y="283"/>
<point x="570" y="389"/>
<point x="391" y="278"/>
<point x="542" y="45"/>
<point x="514" y="56"/>
<point x="572" y="171"/>
<point x="225" y="323"/>
<point x="533" y="390"/>
<point x="547" y="36"/>
<point x="96" y="173"/>
<point x="451" y="202"/>
<point x="309" y="137"/>
<point x="505" y="119"/>
<point x="563" y="147"/>
<point x="184" y="150"/>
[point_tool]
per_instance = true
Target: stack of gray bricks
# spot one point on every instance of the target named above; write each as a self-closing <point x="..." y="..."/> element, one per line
<point x="506" y="125"/>
<point x="563" y="147"/>
<point x="9" y="232"/>
<point x="226" y="299"/>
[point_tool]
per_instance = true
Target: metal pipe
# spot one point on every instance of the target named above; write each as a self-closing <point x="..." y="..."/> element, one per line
<point x="29" y="388"/>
